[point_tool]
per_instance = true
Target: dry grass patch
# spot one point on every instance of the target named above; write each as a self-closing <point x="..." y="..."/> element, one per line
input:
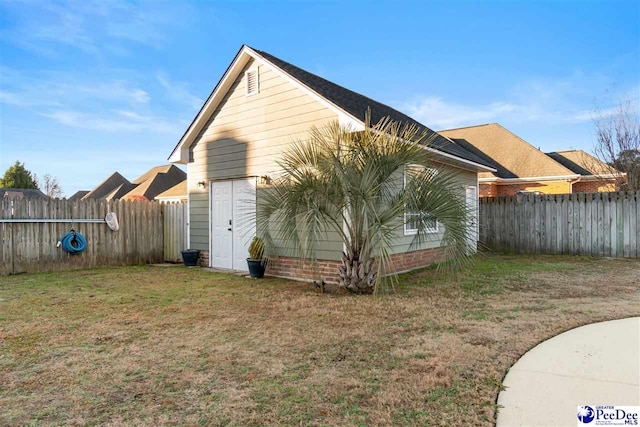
<point x="144" y="345"/>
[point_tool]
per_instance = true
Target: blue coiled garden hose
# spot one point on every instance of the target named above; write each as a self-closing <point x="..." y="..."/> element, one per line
<point x="73" y="242"/>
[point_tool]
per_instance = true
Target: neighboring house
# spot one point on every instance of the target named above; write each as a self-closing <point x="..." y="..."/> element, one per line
<point x="595" y="175"/>
<point x="176" y="194"/>
<point x="522" y="168"/>
<point x="114" y="187"/>
<point x="153" y="182"/>
<point x="21" y="193"/>
<point x="78" y="195"/>
<point x="260" y="105"/>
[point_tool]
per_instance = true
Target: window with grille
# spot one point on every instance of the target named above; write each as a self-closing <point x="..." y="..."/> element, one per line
<point x="252" y="82"/>
<point x="412" y="219"/>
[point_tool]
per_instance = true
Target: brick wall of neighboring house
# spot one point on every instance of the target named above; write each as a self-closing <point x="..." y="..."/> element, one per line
<point x="544" y="187"/>
<point x="488" y="190"/>
<point x="548" y="187"/>
<point x="595" y="186"/>
<point x="328" y="270"/>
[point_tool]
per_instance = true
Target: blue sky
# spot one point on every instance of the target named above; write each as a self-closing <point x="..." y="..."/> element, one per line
<point x="91" y="87"/>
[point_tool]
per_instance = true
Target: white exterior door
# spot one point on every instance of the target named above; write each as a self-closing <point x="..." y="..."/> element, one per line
<point x="233" y="222"/>
<point x="471" y="195"/>
<point x="221" y="221"/>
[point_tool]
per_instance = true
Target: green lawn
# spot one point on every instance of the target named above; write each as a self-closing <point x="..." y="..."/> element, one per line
<point x="152" y="345"/>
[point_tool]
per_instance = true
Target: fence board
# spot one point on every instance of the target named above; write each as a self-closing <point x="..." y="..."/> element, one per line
<point x="175" y="231"/>
<point x="598" y="224"/>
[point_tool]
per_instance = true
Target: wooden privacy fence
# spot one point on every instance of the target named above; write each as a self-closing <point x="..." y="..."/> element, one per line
<point x="31" y="246"/>
<point x="598" y="224"/>
<point x="175" y="231"/>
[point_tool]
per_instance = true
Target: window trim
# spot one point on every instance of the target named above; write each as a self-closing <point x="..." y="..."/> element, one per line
<point x="414" y="231"/>
<point x="246" y="82"/>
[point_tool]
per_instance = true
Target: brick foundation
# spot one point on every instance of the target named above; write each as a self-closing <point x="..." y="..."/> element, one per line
<point x="203" y="259"/>
<point x="415" y="259"/>
<point x="293" y="268"/>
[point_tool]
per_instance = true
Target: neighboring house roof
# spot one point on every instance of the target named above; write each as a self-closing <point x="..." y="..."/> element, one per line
<point x="170" y="169"/>
<point x="147" y="186"/>
<point x="582" y="163"/>
<point x="351" y="106"/>
<point x="511" y="155"/>
<point x="120" y="191"/>
<point x="155" y="181"/>
<point x="19" y="193"/>
<point x="107" y="187"/>
<point x="178" y="191"/>
<point x="78" y="195"/>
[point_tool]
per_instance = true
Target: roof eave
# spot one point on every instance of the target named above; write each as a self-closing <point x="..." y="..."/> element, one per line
<point x="530" y="178"/>
<point x="459" y="161"/>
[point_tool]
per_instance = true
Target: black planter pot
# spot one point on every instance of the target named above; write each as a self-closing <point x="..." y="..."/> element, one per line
<point x="190" y="258"/>
<point x="256" y="267"/>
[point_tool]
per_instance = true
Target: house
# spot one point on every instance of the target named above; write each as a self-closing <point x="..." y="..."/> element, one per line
<point x="595" y="175"/>
<point x="176" y="194"/>
<point x="146" y="187"/>
<point x="521" y="167"/>
<point x="21" y="193"/>
<point x="260" y="105"/>
<point x="113" y="187"/>
<point x="155" y="181"/>
<point x="78" y="195"/>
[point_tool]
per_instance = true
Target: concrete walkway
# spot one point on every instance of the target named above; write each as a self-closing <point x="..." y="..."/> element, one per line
<point x="597" y="364"/>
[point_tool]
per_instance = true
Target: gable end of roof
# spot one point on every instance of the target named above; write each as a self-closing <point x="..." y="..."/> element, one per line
<point x="351" y="106"/>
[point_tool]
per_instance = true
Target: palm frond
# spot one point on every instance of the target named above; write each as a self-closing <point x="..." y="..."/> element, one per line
<point x="351" y="183"/>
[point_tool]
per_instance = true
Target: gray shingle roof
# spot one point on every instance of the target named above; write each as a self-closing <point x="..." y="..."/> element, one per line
<point x="78" y="195"/>
<point x="357" y="105"/>
<point x="574" y="167"/>
<point x="106" y="187"/>
<point x="19" y="193"/>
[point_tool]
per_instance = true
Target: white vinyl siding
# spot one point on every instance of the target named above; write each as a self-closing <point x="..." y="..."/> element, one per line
<point x="245" y="136"/>
<point x="403" y="242"/>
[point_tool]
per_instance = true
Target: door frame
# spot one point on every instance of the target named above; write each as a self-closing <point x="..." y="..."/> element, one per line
<point x="212" y="185"/>
<point x="476" y="212"/>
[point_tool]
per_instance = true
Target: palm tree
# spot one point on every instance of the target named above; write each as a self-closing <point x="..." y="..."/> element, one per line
<point x="351" y="183"/>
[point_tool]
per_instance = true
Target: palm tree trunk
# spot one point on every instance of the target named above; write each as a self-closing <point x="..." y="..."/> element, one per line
<point x="356" y="275"/>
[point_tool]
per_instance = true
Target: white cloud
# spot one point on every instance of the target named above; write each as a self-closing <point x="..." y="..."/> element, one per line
<point x="42" y="90"/>
<point x="117" y="122"/>
<point x="438" y="113"/>
<point x="93" y="27"/>
<point x="544" y="102"/>
<point x="179" y="91"/>
<point x="87" y="102"/>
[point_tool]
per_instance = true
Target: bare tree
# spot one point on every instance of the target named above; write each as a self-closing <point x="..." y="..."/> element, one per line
<point x="50" y="186"/>
<point x="618" y="142"/>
